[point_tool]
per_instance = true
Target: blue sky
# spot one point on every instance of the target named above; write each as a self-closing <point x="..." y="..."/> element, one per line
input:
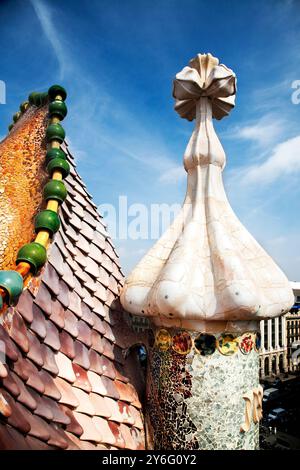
<point x="117" y="60"/>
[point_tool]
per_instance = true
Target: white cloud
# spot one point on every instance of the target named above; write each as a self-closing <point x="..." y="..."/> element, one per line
<point x="173" y="175"/>
<point x="284" y="161"/>
<point x="45" y="16"/>
<point x="264" y="131"/>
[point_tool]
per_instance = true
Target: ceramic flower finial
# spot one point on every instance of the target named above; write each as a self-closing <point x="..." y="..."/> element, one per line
<point x="204" y="78"/>
<point x="206" y="266"/>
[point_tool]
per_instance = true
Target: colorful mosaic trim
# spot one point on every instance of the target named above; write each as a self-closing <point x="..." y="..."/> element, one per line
<point x="206" y="344"/>
<point x="32" y="256"/>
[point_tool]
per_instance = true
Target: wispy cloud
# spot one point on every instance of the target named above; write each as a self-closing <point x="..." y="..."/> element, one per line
<point x="173" y="175"/>
<point x="283" y="161"/>
<point x="45" y="16"/>
<point x="264" y="131"/>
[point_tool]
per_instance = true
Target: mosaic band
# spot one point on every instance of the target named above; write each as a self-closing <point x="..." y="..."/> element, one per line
<point x="182" y="342"/>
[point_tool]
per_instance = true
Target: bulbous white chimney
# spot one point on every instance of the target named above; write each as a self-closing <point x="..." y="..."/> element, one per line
<point x="205" y="285"/>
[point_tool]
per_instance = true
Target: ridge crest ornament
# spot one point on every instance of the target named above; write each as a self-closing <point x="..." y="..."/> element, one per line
<point x="206" y="273"/>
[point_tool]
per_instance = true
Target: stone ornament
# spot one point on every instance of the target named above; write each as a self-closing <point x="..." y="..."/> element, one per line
<point x="196" y="81"/>
<point x="206" y="267"/>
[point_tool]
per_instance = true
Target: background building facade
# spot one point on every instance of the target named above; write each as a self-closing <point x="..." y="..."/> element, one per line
<point x="279" y="338"/>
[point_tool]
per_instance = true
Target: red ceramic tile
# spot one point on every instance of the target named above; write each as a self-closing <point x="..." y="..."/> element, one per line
<point x="97" y="383"/>
<point x="57" y="437"/>
<point x="3" y="371"/>
<point x="71" y="234"/>
<point x="76" y="222"/>
<point x="103" y="277"/>
<point x="18" y="331"/>
<point x="128" y="439"/>
<point x="67" y="344"/>
<point x="99" y="308"/>
<point x="38" y="324"/>
<point x="11" y="439"/>
<point x="95" y="253"/>
<point x="120" y="373"/>
<point x="73" y="427"/>
<point x="107" y="436"/>
<point x="97" y="341"/>
<point x="78" y="209"/>
<point x="16" y="418"/>
<point x="50" y="388"/>
<point x="49" y="360"/>
<point x="82" y="201"/>
<point x="108" y="367"/>
<point x="20" y="368"/>
<point x="24" y="306"/>
<point x="10" y="384"/>
<point x="83" y="245"/>
<point x="125" y="392"/>
<point x="88" y="218"/>
<point x="44" y="300"/>
<point x="99" y="240"/>
<point x="81" y="355"/>
<point x="80" y="258"/>
<point x="34" y="378"/>
<point x="91" y="285"/>
<point x="92" y="268"/>
<point x="82" y="380"/>
<point x="98" y="323"/>
<point x="25" y="396"/>
<point x="108" y="332"/>
<point x="65" y="370"/>
<point x="66" y="391"/>
<point x="5" y="408"/>
<point x="116" y="431"/>
<point x="56" y="259"/>
<point x="10" y="348"/>
<point x="68" y="276"/>
<point x="75" y="304"/>
<point x="101" y="293"/>
<point x="52" y="336"/>
<point x="113" y="408"/>
<point x="38" y="427"/>
<point x="113" y="285"/>
<point x="138" y="423"/>
<point x="43" y="408"/>
<point x="88" y="298"/>
<point x="90" y="431"/>
<point x="84" y="333"/>
<point x="63" y="296"/>
<point x="85" y="405"/>
<point x="108" y="349"/>
<point x="51" y="279"/>
<point x="36" y="444"/>
<point x="125" y="413"/>
<point x="95" y="365"/>
<point x="58" y="414"/>
<point x="87" y="314"/>
<point x="111" y="389"/>
<point x="71" y="323"/>
<point x="139" y="438"/>
<point x="35" y="349"/>
<point x="58" y="314"/>
<point x="100" y="406"/>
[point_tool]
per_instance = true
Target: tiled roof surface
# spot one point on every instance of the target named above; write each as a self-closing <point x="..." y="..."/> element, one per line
<point x="64" y="384"/>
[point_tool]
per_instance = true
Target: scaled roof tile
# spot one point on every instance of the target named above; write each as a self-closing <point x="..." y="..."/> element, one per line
<point x="64" y="360"/>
